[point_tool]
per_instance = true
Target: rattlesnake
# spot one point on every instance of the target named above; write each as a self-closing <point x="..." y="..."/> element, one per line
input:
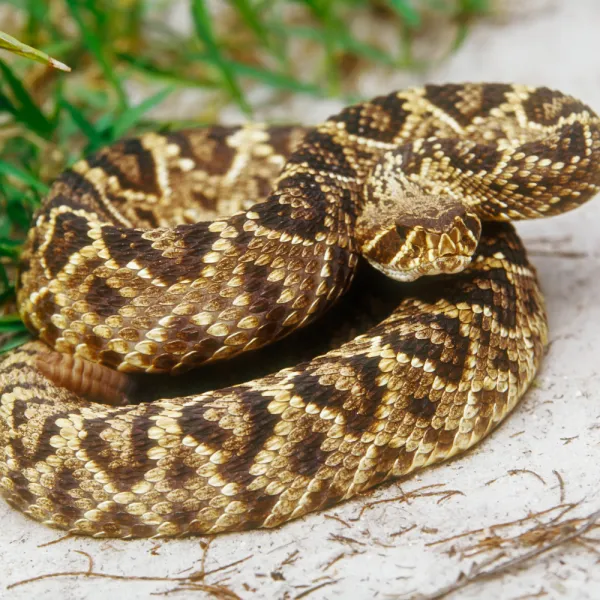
<point x="122" y="270"/>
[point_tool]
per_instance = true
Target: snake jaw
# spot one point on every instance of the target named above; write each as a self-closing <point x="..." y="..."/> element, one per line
<point x="446" y="265"/>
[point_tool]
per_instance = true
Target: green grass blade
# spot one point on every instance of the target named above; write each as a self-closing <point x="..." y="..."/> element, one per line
<point x="132" y="115"/>
<point x="474" y="7"/>
<point x="4" y="281"/>
<point x="347" y="42"/>
<point x="330" y="28"/>
<point x="146" y="67"/>
<point x="96" y="47"/>
<point x="9" y="290"/>
<point x="12" y="324"/>
<point x="17" y="327"/>
<point x="7" y="294"/>
<point x="90" y="132"/>
<point x="10" y="249"/>
<point x="15" y="342"/>
<point x="9" y="319"/>
<point x="19" y="212"/>
<point x="28" y="111"/>
<point x="273" y="79"/>
<point x="252" y="18"/>
<point x="301" y="31"/>
<point x="8" y="106"/>
<point x="202" y="23"/>
<point x="13" y="45"/>
<point x="407" y="12"/>
<point x="12" y="171"/>
<point x="343" y="40"/>
<point x="5" y="229"/>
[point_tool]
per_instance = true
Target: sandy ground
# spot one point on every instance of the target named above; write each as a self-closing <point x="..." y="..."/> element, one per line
<point x="390" y="544"/>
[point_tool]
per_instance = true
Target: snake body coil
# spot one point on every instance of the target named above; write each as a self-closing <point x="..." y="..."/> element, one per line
<point x="123" y="273"/>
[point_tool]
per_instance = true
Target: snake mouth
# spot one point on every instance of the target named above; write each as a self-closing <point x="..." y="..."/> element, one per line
<point x="444" y="265"/>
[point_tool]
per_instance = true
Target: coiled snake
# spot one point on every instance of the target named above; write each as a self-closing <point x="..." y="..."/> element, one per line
<point x="122" y="272"/>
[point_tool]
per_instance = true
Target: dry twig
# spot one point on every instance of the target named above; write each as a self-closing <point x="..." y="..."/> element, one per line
<point x="544" y="537"/>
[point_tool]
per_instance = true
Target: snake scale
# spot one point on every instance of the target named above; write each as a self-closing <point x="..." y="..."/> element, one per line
<point x="165" y="252"/>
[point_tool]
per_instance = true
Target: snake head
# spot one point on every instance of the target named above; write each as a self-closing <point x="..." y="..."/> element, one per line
<point x="407" y="232"/>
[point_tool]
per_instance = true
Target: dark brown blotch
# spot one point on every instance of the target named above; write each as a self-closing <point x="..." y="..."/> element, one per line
<point x="69" y="236"/>
<point x="104" y="300"/>
<point x="132" y="165"/>
<point x="546" y="106"/>
<point x="421" y="407"/>
<point x="381" y="119"/>
<point x="463" y="102"/>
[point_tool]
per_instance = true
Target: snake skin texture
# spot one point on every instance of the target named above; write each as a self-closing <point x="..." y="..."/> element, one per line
<point x="164" y="253"/>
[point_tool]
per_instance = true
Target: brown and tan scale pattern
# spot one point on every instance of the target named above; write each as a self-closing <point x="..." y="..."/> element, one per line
<point x="162" y="253"/>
